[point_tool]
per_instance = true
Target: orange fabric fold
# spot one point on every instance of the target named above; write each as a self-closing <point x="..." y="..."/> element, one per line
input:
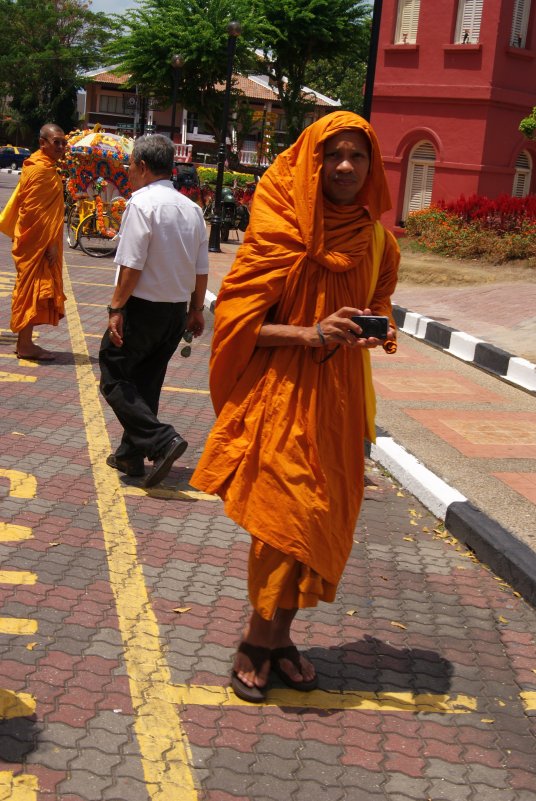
<point x="38" y="293"/>
<point x="287" y="450"/>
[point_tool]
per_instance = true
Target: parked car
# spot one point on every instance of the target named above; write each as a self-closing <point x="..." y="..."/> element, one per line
<point x="185" y="176"/>
<point x="13" y="157"/>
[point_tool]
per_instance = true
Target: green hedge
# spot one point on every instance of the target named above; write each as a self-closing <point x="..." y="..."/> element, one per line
<point x="208" y="175"/>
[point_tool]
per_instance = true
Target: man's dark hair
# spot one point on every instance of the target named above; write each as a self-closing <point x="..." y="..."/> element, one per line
<point x="156" y="151"/>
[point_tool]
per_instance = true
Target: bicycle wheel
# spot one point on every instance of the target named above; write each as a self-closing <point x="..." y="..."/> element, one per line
<point x="73" y="220"/>
<point x="92" y="242"/>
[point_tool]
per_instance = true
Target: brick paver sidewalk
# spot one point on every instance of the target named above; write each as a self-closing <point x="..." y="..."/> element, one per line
<point x="120" y="611"/>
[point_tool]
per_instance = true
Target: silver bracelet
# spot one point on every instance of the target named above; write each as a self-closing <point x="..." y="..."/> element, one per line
<point x="321" y="335"/>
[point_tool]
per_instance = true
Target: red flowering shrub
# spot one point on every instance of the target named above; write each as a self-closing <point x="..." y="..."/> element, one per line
<point x="476" y="227"/>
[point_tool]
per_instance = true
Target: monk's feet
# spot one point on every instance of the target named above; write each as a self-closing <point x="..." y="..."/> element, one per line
<point x="250" y="672"/>
<point x="293" y="668"/>
<point x="35" y="354"/>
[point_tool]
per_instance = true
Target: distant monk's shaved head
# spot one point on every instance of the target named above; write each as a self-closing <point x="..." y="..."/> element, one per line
<point x="50" y="129"/>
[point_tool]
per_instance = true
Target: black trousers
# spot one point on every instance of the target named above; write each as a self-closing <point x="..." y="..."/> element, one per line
<point x="132" y="375"/>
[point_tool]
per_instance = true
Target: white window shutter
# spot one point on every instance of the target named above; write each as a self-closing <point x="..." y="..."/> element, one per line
<point x="420" y="178"/>
<point x="523" y="175"/>
<point x="520" y="23"/>
<point x="407" y="21"/>
<point x="469" y="19"/>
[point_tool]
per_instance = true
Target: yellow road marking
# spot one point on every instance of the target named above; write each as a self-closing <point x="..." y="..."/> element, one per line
<point x="18" y="788"/>
<point x="171" y="494"/>
<point x="322" y="699"/>
<point x="529" y="701"/>
<point x="165" y="751"/>
<point x="14" y="356"/>
<point x="16" y="705"/>
<point x="12" y="533"/>
<point x="186" y="390"/>
<point x="17" y="378"/>
<point x="17" y="577"/>
<point x="5" y="294"/>
<point x="17" y="625"/>
<point x="21" y="485"/>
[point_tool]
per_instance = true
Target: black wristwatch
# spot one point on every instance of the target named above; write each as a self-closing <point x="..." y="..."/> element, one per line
<point x="111" y="310"/>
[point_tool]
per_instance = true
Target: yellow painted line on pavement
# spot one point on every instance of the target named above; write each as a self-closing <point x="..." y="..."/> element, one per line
<point x="186" y="390"/>
<point x="17" y="378"/>
<point x="17" y="625"/>
<point x="17" y="577"/>
<point x="18" y="788"/>
<point x="94" y="305"/>
<point x="21" y="485"/>
<point x="322" y="699"/>
<point x="12" y="533"/>
<point x="5" y="293"/>
<point x="164" y="748"/>
<point x="529" y="701"/>
<point x="16" y="705"/>
<point x="171" y="494"/>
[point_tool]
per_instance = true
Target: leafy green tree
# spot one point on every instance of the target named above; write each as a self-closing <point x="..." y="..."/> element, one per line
<point x="342" y="78"/>
<point x="300" y="33"/>
<point x="197" y="30"/>
<point x="527" y="126"/>
<point x="44" y="47"/>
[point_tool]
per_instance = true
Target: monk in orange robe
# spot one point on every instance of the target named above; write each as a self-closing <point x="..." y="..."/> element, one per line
<point x="290" y="381"/>
<point x="37" y="211"/>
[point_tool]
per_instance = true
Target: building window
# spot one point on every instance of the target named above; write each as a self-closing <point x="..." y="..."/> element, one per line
<point x="468" y="22"/>
<point x="523" y="175"/>
<point x="407" y="21"/>
<point x="193" y="126"/>
<point x="420" y="181"/>
<point x="520" y="23"/>
<point x="111" y="104"/>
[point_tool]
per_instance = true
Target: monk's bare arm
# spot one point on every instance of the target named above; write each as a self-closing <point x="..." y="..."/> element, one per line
<point x="335" y="329"/>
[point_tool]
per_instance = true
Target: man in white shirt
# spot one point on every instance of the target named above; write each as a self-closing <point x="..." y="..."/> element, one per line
<point x="161" y="279"/>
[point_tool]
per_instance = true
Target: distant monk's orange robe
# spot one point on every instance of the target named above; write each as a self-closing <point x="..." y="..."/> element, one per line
<point x="34" y="219"/>
<point x="286" y="453"/>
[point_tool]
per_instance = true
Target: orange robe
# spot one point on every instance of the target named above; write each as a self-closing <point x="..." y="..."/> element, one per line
<point x="38" y="293"/>
<point x="286" y="453"/>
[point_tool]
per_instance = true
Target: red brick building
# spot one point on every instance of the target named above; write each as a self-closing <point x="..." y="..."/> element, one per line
<point x="453" y="80"/>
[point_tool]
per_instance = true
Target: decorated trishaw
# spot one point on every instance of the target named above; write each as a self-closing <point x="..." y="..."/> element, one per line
<point x="97" y="189"/>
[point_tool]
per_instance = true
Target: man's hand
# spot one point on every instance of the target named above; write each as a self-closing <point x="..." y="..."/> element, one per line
<point x="195" y="322"/>
<point x="115" y="328"/>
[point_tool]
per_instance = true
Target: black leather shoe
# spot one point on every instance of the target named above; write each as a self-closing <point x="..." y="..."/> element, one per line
<point x="132" y="467"/>
<point x="163" y="462"/>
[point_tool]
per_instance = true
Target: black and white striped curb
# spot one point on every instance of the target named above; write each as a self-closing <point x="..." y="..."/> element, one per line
<point x="488" y="357"/>
<point x="493" y="545"/>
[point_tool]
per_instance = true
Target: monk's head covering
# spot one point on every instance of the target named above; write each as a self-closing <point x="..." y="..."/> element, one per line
<point x="304" y="159"/>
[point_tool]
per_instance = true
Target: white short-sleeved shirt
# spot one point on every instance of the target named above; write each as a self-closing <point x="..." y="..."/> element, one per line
<point x="163" y="234"/>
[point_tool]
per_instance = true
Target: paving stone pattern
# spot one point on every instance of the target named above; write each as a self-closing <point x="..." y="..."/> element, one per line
<point x="414" y="614"/>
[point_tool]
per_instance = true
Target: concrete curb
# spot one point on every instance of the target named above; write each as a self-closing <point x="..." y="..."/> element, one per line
<point x="488" y="357"/>
<point x="492" y="544"/>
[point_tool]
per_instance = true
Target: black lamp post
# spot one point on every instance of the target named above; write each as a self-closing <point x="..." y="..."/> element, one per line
<point x="373" y="53"/>
<point x="234" y="32"/>
<point x="177" y="63"/>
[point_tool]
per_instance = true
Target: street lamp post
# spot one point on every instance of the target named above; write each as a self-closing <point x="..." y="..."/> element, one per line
<point x="214" y="240"/>
<point x="177" y="63"/>
<point x="373" y="54"/>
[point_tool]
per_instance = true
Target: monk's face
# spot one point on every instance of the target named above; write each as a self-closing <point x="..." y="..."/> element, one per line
<point x="345" y="166"/>
<point x="52" y="144"/>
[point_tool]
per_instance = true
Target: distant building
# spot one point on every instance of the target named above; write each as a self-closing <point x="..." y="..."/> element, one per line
<point x="453" y="81"/>
<point x="108" y="102"/>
